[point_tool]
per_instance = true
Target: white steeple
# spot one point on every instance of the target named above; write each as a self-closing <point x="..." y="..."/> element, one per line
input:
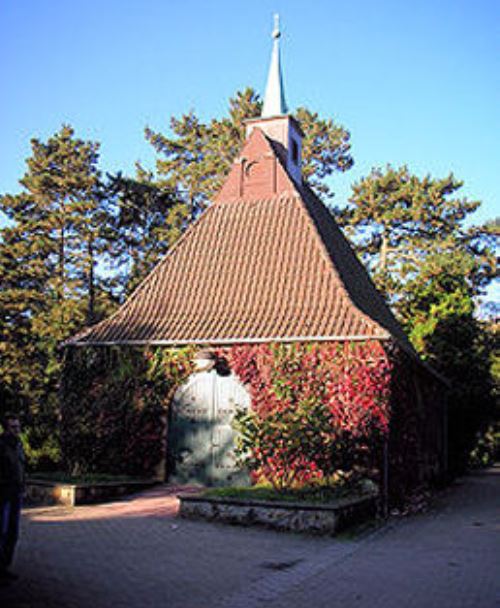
<point x="275" y="122"/>
<point x="274" y="100"/>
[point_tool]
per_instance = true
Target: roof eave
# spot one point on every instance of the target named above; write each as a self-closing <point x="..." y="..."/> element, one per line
<point x="230" y="341"/>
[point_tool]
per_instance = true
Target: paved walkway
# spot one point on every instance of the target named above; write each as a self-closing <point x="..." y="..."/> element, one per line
<point x="136" y="554"/>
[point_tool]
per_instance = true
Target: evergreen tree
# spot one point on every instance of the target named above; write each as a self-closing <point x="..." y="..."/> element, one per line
<point x="196" y="159"/>
<point x="23" y="276"/>
<point x="49" y="285"/>
<point x="412" y="234"/>
<point x="325" y="149"/>
<point x="145" y="222"/>
<point x="398" y="220"/>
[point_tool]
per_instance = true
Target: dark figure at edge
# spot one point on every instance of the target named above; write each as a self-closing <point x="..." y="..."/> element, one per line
<point x="12" y="463"/>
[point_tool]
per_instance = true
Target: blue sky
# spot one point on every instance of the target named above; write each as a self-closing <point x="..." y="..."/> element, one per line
<point x="415" y="83"/>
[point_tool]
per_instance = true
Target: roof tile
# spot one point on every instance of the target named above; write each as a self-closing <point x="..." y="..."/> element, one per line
<point x="259" y="266"/>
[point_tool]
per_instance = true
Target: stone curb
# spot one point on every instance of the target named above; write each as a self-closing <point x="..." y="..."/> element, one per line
<point x="48" y="493"/>
<point x="294" y="517"/>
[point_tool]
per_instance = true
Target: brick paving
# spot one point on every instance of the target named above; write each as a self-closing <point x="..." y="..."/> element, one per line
<point x="136" y="554"/>
<point x="448" y="558"/>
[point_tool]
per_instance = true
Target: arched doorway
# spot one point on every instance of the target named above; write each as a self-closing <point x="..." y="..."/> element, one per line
<point x="200" y="439"/>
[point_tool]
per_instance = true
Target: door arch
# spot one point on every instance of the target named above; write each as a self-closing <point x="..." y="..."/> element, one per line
<point x="200" y="439"/>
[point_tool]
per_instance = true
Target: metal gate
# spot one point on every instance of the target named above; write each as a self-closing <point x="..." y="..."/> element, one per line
<point x="200" y="437"/>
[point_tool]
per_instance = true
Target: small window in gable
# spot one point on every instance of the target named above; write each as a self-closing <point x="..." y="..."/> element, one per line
<point x="295" y="151"/>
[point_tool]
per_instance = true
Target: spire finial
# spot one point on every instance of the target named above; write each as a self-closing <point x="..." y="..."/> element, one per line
<point x="274" y="99"/>
<point x="276" y="31"/>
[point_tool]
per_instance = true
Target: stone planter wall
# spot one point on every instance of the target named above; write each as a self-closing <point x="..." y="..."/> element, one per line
<point x="295" y="517"/>
<point x="45" y="493"/>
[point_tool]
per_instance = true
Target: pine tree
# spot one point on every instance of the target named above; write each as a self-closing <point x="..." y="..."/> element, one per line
<point x="23" y="276"/>
<point x="413" y="235"/>
<point x="145" y="223"/>
<point x="325" y="150"/>
<point x="59" y="214"/>
<point x="397" y="220"/>
<point x="49" y="285"/>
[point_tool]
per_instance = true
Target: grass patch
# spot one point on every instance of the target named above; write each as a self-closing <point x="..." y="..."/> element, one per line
<point x="319" y="495"/>
<point x="59" y="477"/>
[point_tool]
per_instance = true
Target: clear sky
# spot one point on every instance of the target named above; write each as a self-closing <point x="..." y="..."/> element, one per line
<point x="416" y="83"/>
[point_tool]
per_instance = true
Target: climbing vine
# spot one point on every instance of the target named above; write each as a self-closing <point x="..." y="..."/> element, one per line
<point x="114" y="405"/>
<point x="318" y="410"/>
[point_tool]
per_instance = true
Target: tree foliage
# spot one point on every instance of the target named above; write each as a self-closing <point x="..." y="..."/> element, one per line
<point x="145" y="223"/>
<point x="416" y="237"/>
<point x="49" y="282"/>
<point x="195" y="159"/>
<point x="325" y="150"/>
<point x="399" y="221"/>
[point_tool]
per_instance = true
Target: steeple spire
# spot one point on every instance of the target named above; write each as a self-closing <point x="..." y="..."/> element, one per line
<point x="274" y="100"/>
<point x="275" y="122"/>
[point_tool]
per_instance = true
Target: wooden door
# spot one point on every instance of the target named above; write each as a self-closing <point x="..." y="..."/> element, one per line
<point x="201" y="438"/>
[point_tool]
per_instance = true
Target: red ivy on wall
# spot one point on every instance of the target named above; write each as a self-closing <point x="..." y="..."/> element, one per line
<point x="351" y="378"/>
<point x="314" y="406"/>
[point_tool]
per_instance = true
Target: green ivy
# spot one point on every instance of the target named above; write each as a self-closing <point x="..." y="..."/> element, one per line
<point x="114" y="404"/>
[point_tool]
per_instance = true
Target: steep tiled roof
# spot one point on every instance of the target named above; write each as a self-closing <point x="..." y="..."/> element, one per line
<point x="265" y="262"/>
